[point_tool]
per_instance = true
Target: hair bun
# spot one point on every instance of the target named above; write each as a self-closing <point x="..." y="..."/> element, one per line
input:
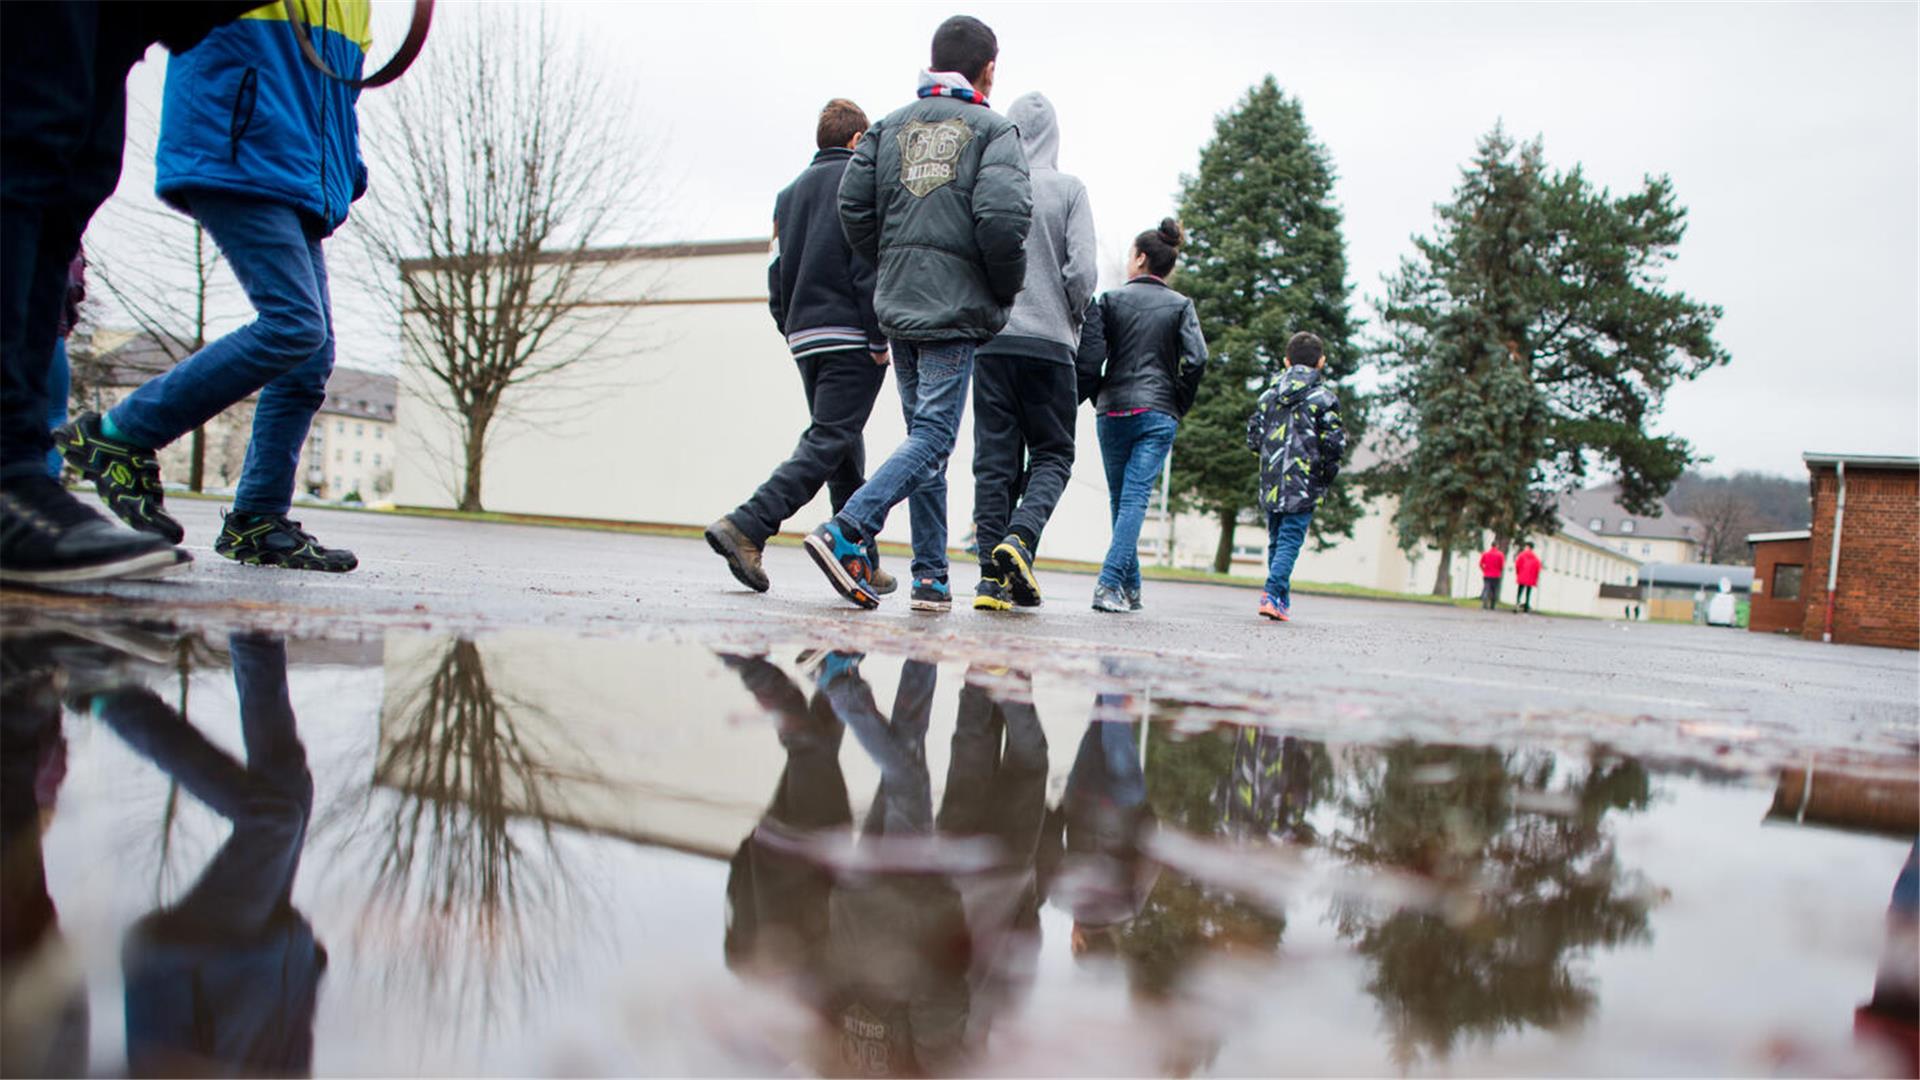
<point x="1171" y="232"/>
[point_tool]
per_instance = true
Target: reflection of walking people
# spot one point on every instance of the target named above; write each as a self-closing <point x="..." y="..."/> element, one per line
<point x="1296" y="430"/>
<point x="1145" y="339"/>
<point x="1526" y="575"/>
<point x="937" y="196"/>
<point x="264" y="151"/>
<point x="1024" y="389"/>
<point x="1493" y="565"/>
<point x="225" y="979"/>
<point x="821" y="293"/>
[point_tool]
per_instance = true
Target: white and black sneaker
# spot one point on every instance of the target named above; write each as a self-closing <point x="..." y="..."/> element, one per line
<point x="48" y="538"/>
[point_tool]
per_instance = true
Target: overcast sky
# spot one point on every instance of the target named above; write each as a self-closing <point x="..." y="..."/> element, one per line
<point x="1791" y="132"/>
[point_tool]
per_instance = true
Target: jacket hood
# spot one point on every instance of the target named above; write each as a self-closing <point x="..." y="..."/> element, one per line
<point x="1039" y="129"/>
<point x="1297" y="383"/>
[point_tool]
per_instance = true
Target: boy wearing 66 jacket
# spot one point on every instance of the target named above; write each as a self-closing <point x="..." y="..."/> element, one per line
<point x="1296" y="430"/>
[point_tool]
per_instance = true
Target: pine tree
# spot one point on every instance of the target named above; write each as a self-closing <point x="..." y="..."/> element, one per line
<point x="1264" y="258"/>
<point x="1530" y="339"/>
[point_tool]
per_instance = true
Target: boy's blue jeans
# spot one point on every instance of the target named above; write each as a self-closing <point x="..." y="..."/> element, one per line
<point x="286" y="352"/>
<point x="1285" y="534"/>
<point x="933" y="377"/>
<point x="1132" y="448"/>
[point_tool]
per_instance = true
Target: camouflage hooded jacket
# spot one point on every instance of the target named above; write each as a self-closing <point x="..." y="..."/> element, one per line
<point x="1296" y="431"/>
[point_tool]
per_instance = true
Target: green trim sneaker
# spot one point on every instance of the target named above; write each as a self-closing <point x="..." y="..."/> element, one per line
<point x="126" y="476"/>
<point x="992" y="594"/>
<point x="273" y="540"/>
<point x="1109" y="599"/>
<point x="931" y="595"/>
<point x="1014" y="560"/>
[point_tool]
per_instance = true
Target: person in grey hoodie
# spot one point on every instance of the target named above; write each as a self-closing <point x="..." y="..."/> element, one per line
<point x="1024" y="379"/>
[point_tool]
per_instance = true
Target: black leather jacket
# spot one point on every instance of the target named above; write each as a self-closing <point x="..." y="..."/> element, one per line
<point x="1144" y="341"/>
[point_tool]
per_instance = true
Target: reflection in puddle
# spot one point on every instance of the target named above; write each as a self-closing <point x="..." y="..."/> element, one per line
<point x="531" y="853"/>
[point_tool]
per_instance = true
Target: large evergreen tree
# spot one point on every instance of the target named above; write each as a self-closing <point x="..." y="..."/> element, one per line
<point x="1531" y="339"/>
<point x="1264" y="258"/>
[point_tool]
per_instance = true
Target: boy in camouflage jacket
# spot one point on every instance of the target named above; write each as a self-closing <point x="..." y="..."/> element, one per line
<point x="1296" y="431"/>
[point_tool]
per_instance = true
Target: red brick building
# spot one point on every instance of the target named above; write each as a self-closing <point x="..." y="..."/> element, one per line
<point x="1778" y="602"/>
<point x="1874" y="503"/>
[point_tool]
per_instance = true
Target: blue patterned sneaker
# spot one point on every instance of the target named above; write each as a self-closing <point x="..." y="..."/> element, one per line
<point x="1109" y="599"/>
<point x="931" y="595"/>
<point x="846" y="564"/>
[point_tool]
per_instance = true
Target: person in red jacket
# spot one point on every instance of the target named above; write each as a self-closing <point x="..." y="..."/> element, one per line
<point x="1493" y="567"/>
<point x="1526" y="574"/>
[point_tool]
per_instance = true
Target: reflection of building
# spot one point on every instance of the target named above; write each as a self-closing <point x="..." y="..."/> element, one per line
<point x="1779" y="580"/>
<point x="349" y="449"/>
<point x="1872" y="504"/>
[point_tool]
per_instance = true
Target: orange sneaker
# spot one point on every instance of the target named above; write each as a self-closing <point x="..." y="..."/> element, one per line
<point x="1273" y="609"/>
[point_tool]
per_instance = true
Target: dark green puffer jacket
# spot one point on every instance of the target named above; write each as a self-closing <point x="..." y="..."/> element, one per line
<point x="938" y="196"/>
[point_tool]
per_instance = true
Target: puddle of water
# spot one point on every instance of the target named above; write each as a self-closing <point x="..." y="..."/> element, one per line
<point x="532" y="853"/>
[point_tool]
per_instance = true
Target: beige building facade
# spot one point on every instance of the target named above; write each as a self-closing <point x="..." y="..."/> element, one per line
<point x="692" y="398"/>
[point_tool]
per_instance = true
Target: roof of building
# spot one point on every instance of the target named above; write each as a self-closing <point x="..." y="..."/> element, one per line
<point x="1705" y="575"/>
<point x="1770" y="537"/>
<point x="1863" y="461"/>
<point x="368" y="395"/>
<point x="1602" y="504"/>
<point x="121" y="358"/>
<point x="1580" y="534"/>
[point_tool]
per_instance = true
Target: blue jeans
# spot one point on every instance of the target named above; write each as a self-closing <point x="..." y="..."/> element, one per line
<point x="1133" y="448"/>
<point x="933" y="378"/>
<point x="59" y="387"/>
<point x="1285" y="534"/>
<point x="286" y="352"/>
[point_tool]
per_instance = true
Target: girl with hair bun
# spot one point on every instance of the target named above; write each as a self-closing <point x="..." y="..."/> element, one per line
<point x="1143" y="355"/>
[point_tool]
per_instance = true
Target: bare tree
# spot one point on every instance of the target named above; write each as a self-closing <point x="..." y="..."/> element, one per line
<point x="1726" y="518"/>
<point x="503" y="166"/>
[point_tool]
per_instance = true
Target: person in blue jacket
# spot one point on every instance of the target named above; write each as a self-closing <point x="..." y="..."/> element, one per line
<point x="264" y="151"/>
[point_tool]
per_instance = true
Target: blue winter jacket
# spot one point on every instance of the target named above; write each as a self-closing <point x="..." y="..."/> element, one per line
<point x="245" y="114"/>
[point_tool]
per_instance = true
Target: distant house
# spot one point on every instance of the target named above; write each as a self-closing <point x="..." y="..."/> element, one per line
<point x="1665" y="537"/>
<point x="349" y="449"/>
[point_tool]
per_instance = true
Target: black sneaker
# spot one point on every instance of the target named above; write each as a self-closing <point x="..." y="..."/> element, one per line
<point x="931" y="595"/>
<point x="273" y="540"/>
<point x="992" y="594"/>
<point x="126" y="476"/>
<point x="48" y="538"/>
<point x="1014" y="560"/>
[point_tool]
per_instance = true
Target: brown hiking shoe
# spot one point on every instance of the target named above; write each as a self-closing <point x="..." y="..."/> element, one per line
<point x="742" y="554"/>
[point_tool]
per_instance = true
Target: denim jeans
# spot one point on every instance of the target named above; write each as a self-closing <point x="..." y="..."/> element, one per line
<point x="1285" y="534"/>
<point x="59" y="388"/>
<point x="286" y="352"/>
<point x="1133" y="448"/>
<point x="933" y="378"/>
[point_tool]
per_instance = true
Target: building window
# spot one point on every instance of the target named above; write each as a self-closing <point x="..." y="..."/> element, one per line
<point x="339" y="427"/>
<point x="1786" y="581"/>
<point x="359" y="429"/>
<point x="1646" y="549"/>
<point x="380" y="433"/>
<point x="340" y="454"/>
<point x="376" y="459"/>
<point x="356" y="457"/>
<point x="1626" y="526"/>
<point x="1596" y="524"/>
<point x="338" y="483"/>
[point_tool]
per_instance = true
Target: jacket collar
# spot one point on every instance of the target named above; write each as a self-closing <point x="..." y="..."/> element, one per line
<point x="1149" y="279"/>
<point x="830" y="153"/>
<point x="950" y="84"/>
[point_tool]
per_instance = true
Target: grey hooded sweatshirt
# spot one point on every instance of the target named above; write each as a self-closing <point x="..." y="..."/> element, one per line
<point x="1061" y="275"/>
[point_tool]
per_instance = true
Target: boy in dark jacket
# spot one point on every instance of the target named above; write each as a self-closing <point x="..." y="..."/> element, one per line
<point x="264" y="151"/>
<point x="821" y="293"/>
<point x="1023" y="390"/>
<point x="937" y="196"/>
<point x="1296" y="431"/>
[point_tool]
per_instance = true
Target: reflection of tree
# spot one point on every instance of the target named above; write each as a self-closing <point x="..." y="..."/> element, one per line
<point x="458" y="881"/>
<point x="1522" y="852"/>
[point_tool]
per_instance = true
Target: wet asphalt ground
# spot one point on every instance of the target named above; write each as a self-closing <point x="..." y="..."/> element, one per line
<point x="1392" y="661"/>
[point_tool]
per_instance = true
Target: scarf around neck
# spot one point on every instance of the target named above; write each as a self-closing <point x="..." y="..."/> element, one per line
<point x="950" y="84"/>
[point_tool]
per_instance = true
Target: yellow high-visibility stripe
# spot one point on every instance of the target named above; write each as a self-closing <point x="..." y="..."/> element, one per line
<point x="351" y="18"/>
